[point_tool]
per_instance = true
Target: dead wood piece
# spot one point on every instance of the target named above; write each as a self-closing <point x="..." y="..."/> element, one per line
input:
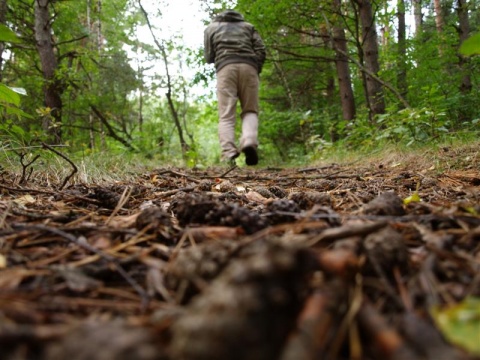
<point x="341" y="262"/>
<point x="345" y="231"/>
<point x="202" y="209"/>
<point x="386" y="342"/>
<point x="426" y="339"/>
<point x="387" y="203"/>
<point x="105" y="341"/>
<point x="310" y="337"/>
<point x="110" y="259"/>
<point x="282" y="211"/>
<point x="248" y="311"/>
<point x="209" y="233"/>
<point x="386" y="249"/>
<point x="155" y="220"/>
<point x="307" y="199"/>
<point x="107" y="198"/>
<point x="196" y="266"/>
<point x="74" y="167"/>
<point x="27" y="341"/>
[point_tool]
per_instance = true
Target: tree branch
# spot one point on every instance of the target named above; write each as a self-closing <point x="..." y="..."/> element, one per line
<point x="110" y="130"/>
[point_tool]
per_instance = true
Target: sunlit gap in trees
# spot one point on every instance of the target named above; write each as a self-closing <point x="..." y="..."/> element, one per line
<point x="177" y="24"/>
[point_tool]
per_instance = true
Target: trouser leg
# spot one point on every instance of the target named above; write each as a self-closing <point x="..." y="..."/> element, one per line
<point x="248" y="93"/>
<point x="227" y="101"/>
<point x="249" y="130"/>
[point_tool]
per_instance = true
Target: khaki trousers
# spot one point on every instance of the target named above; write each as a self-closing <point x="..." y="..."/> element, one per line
<point x="237" y="82"/>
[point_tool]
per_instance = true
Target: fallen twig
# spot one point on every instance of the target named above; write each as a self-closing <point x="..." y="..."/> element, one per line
<point x="75" y="169"/>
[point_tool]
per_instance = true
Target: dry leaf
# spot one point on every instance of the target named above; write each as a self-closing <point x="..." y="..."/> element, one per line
<point x="24" y="200"/>
<point x="3" y="261"/>
<point x="256" y="197"/>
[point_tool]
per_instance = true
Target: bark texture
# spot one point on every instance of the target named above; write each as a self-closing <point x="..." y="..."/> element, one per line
<point x="3" y="19"/>
<point x="52" y="87"/>
<point x="402" y="50"/>
<point x="370" y="56"/>
<point x="343" y="70"/>
<point x="464" y="30"/>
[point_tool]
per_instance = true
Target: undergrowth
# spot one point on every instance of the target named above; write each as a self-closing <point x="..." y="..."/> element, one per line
<point x="37" y="164"/>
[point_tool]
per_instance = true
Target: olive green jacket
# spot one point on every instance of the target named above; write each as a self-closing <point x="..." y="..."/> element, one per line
<point x="230" y="39"/>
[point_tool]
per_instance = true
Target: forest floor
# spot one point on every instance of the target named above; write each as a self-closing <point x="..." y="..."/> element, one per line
<point x="376" y="259"/>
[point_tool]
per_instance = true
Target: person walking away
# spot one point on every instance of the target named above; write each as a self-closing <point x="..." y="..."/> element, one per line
<point x="238" y="52"/>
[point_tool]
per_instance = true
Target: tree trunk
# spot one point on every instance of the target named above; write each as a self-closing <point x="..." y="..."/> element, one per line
<point x="3" y="20"/>
<point x="99" y="26"/>
<point x="52" y="88"/>
<point x="464" y="30"/>
<point x="343" y="70"/>
<point x="402" y="50"/>
<point x="439" y="23"/>
<point x="374" y="89"/>
<point x="417" y="15"/>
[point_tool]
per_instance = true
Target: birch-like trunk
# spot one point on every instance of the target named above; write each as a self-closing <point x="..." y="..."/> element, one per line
<point x="417" y="16"/>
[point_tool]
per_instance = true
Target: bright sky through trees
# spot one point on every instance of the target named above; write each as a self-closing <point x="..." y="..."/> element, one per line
<point x="180" y="19"/>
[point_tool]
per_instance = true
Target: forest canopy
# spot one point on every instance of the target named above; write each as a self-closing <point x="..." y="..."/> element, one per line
<point x="339" y="74"/>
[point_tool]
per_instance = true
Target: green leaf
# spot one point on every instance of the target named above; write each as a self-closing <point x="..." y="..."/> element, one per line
<point x="9" y="96"/>
<point x="7" y="35"/>
<point x="18" y="112"/>
<point x="471" y="46"/>
<point x="461" y="323"/>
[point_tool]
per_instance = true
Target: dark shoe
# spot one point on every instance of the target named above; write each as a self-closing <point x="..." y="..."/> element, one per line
<point x="251" y="156"/>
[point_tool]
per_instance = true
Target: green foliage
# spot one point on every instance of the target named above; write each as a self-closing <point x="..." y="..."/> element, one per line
<point x="9" y="96"/>
<point x="7" y="35"/>
<point x="460" y="323"/>
<point x="471" y="46"/>
<point x="301" y="116"/>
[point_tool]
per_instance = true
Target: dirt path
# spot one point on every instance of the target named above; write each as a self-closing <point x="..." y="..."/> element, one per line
<point x="329" y="262"/>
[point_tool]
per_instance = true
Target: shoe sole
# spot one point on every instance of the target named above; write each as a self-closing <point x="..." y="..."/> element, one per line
<point x="251" y="157"/>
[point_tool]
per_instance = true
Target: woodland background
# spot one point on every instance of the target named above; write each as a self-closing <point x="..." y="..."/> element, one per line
<point x="351" y="74"/>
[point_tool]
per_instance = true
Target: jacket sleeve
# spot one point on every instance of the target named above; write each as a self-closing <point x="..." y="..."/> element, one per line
<point x="208" y="50"/>
<point x="259" y="49"/>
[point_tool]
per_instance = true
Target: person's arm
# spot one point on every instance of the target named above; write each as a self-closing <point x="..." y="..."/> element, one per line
<point x="208" y="50"/>
<point x="259" y="49"/>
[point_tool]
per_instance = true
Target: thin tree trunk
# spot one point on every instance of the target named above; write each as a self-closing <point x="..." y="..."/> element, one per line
<point x="52" y="87"/>
<point x="343" y="71"/>
<point x="184" y="146"/>
<point x="402" y="50"/>
<point x="418" y="17"/>
<point x="464" y="30"/>
<point x="283" y="78"/>
<point x="99" y="26"/>
<point x="370" y="55"/>
<point x="439" y="22"/>
<point x="91" y="118"/>
<point x="3" y="20"/>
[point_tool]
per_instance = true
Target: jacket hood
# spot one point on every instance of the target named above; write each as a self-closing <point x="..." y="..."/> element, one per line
<point x="229" y="16"/>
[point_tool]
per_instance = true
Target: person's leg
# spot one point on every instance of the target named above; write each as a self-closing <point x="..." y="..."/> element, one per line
<point x="248" y="93"/>
<point x="227" y="100"/>
<point x="249" y="130"/>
